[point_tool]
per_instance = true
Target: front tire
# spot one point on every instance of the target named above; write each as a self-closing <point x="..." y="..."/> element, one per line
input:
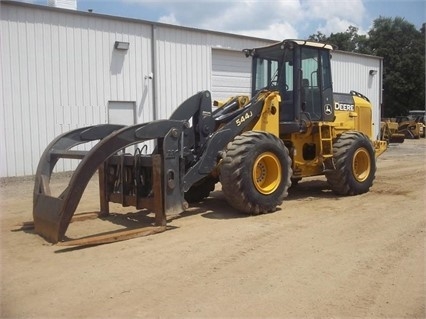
<point x="255" y="172"/>
<point x="355" y="164"/>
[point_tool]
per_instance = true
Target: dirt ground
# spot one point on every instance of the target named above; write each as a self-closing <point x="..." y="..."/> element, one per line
<point x="318" y="256"/>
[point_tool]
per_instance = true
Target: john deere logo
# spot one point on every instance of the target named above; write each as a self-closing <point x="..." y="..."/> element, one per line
<point x="327" y="109"/>
<point x="344" y="107"/>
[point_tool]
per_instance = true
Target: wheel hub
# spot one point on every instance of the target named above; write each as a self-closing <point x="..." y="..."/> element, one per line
<point x="361" y="165"/>
<point x="267" y="173"/>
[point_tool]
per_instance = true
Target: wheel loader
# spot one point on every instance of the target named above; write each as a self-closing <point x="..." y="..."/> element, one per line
<point x="294" y="126"/>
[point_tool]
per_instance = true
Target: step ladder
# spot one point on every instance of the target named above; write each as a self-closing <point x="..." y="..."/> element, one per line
<point x="326" y="146"/>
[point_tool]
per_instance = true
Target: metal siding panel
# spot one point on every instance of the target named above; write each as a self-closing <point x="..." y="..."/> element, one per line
<point x="38" y="127"/>
<point x="3" y="156"/>
<point x="178" y="66"/>
<point x="73" y="58"/>
<point x="172" y="83"/>
<point x="45" y="89"/>
<point x="95" y="97"/>
<point x="125" y="74"/>
<point x="81" y="57"/>
<point x="160" y="80"/>
<point x="3" y="164"/>
<point x="182" y="67"/>
<point x="127" y="63"/>
<point x="84" y="71"/>
<point x="54" y="57"/>
<point x="12" y="94"/>
<point x="104" y="77"/>
<point x="7" y="142"/>
<point x="113" y="82"/>
<point x="145" y="88"/>
<point x="62" y="79"/>
<point x="184" y="63"/>
<point x="351" y="72"/>
<point x="132" y="78"/>
<point x="21" y="117"/>
<point x="61" y="54"/>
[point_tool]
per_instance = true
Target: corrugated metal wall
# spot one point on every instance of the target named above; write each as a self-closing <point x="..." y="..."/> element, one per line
<point x="184" y="62"/>
<point x="352" y="72"/>
<point x="59" y="70"/>
<point x="182" y="65"/>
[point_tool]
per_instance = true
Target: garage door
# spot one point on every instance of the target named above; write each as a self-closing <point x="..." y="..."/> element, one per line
<point x="231" y="74"/>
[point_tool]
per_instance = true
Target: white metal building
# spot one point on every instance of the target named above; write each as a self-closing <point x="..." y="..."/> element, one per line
<point x="61" y="69"/>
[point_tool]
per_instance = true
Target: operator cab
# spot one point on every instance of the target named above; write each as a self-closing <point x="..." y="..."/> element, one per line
<point x="301" y="72"/>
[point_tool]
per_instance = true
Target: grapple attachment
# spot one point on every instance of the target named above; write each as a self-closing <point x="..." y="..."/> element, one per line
<point x="158" y="192"/>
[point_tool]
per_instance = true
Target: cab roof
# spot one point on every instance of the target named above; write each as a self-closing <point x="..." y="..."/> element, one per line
<point x="274" y="50"/>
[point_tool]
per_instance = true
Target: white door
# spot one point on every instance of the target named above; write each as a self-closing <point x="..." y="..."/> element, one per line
<point x="231" y="74"/>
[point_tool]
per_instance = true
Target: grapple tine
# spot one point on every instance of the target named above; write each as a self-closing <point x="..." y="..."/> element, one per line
<point x="48" y="210"/>
<point x="47" y="217"/>
<point x="113" y="236"/>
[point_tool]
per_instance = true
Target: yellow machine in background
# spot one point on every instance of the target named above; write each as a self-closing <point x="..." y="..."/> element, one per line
<point x="419" y="117"/>
<point x="389" y="131"/>
<point x="411" y="126"/>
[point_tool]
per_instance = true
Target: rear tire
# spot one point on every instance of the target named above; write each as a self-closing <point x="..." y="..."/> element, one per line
<point x="355" y="164"/>
<point x="255" y="172"/>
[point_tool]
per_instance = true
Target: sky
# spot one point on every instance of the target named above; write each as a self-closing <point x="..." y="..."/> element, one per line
<point x="270" y="19"/>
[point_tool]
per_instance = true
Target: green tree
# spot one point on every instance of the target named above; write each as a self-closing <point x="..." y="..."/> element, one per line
<point x="318" y="37"/>
<point x="349" y="40"/>
<point x="402" y="48"/>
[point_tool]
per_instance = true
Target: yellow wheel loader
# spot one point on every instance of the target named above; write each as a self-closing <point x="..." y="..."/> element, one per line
<point x="389" y="131"/>
<point x="294" y="126"/>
